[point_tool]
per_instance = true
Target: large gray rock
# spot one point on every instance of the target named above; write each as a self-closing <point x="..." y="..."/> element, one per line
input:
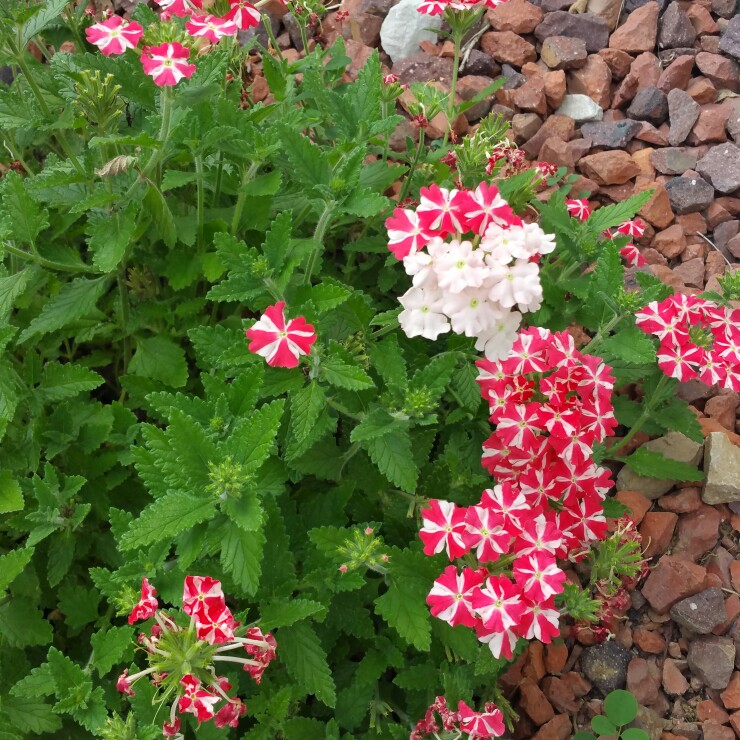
<point x="722" y="469"/>
<point x="689" y="194"/>
<point x="580" y="108"/>
<point x="702" y="612"/>
<point x="404" y="28"/>
<point x="730" y="41"/>
<point x="674" y="446"/>
<point x="683" y="111"/>
<point x="721" y="166"/>
<point x="650" y="104"/>
<point x="591" y="28"/>
<point x="605" y="666"/>
<point x="712" y="660"/>
<point x="611" y="134"/>
<point x="673" y="160"/>
<point x="676" y="29"/>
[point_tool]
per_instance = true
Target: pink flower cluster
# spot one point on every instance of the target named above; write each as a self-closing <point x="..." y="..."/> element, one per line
<point x="182" y="660"/>
<point x="279" y="341"/>
<point x="472" y="282"/>
<point x="698" y="339"/>
<point x="167" y="63"/>
<point x="489" y="723"/>
<point x="550" y="404"/>
<point x="437" y="7"/>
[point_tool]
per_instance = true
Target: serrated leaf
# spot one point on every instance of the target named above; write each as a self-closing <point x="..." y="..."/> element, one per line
<point x="12" y="287"/>
<point x="12" y="565"/>
<point x="174" y="179"/>
<point x="31" y="715"/>
<point x="434" y="376"/>
<point x="678" y="417"/>
<point x="393" y="456"/>
<point x="364" y="203"/>
<point x="93" y="713"/>
<point x="617" y="213"/>
<point x="22" y="624"/>
<point x="61" y="554"/>
<point x="282" y="612"/>
<point x="655" y="465"/>
<point x="614" y="509"/>
<point x="109" y="647"/>
<point x="305" y="661"/>
<point x="49" y="12"/>
<point x="306" y="404"/>
<point x="26" y="217"/>
<point x="276" y="240"/>
<point x="253" y="436"/>
<point x="377" y="423"/>
<point x="325" y="296"/>
<point x="39" y="682"/>
<point x="606" y="280"/>
<point x="630" y="345"/>
<point x="308" y="163"/>
<point x="79" y="605"/>
<point x="408" y="615"/>
<point x="266" y="184"/>
<point x="72" y="684"/>
<point x="166" y="518"/>
<point x="241" y="555"/>
<point x="74" y="301"/>
<point x="11" y="497"/>
<point x="60" y="381"/>
<point x="110" y="234"/>
<point x="340" y="369"/>
<point x="161" y="359"/>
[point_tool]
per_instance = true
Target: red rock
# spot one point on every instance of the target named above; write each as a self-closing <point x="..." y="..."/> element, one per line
<point x="525" y="125"/>
<point x="702" y="90"/>
<point x="651" y="135"/>
<point x="562" y="127"/>
<point x="609" y="168"/>
<point x="735" y="574"/>
<point x="555" y="88"/>
<point x="560" y="695"/>
<point x="657" y="211"/>
<point x="578" y="684"/>
<point x="671" y="580"/>
<point x="693" y="223"/>
<point x="708" y="710"/>
<point x="722" y="71"/>
<point x="637" y="504"/>
<point x="556" y="656"/>
<point x="618" y="62"/>
<point x="558" y="728"/>
<point x="358" y="52"/>
<point x="698" y="532"/>
<point x="674" y="682"/>
<point x="683" y="501"/>
<point x="506" y="46"/>
<point x="649" y="641"/>
<point x="642" y="681"/>
<point x="656" y="531"/>
<point x="710" y="126"/>
<point x="731" y="695"/>
<point x="691" y="271"/>
<point x="563" y="52"/>
<point x="593" y="79"/>
<point x="676" y="75"/>
<point x="534" y="664"/>
<point x="534" y="702"/>
<point x="723" y="408"/>
<point x="735" y="722"/>
<point x="518" y="16"/>
<point x="732" y="610"/>
<point x="639" y="32"/>
<point x="701" y="20"/>
<point x="670" y="242"/>
<point x="530" y="96"/>
<point x="713" y="731"/>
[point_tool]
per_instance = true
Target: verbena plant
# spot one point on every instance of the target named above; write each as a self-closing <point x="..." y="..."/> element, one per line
<point x="151" y="215"/>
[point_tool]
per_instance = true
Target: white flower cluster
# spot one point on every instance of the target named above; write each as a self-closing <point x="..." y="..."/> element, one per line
<point x="478" y="291"/>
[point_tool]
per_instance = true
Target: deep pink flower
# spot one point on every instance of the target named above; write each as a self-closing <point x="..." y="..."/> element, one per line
<point x="633" y="227"/>
<point x="449" y="599"/>
<point x="486" y="533"/>
<point x="180" y="8"/>
<point x="498" y="603"/>
<point x="484" y="206"/>
<point x="114" y="36"/>
<point x="167" y="63"/>
<point x="481" y="724"/>
<point x="228" y="715"/>
<point x="579" y="209"/>
<point x="215" y="624"/>
<point x="442" y="210"/>
<point x="538" y="576"/>
<point x="244" y="14"/>
<point x="147" y="604"/>
<point x="279" y="341"/>
<point x="123" y="684"/>
<point x="210" y="27"/>
<point x="200" y="592"/>
<point x="540" y="621"/>
<point x="632" y="256"/>
<point x="196" y="700"/>
<point x="444" y="529"/>
<point x="501" y="643"/>
<point x="406" y="233"/>
<point x="170" y="729"/>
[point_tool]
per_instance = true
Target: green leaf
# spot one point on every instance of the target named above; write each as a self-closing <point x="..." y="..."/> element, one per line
<point x="276" y="79"/>
<point x="72" y="684"/>
<point x="630" y="345"/>
<point x="677" y="416"/>
<point x="308" y="163"/>
<point x="377" y="423"/>
<point x="49" y="12"/>
<point x="22" y="624"/>
<point x="166" y="518"/>
<point x="109" y="647"/>
<point x="340" y="369"/>
<point x="364" y="203"/>
<point x="74" y="301"/>
<point x="616" y="214"/>
<point x="434" y="376"/>
<point x="306" y="404"/>
<point x="388" y="361"/>
<point x="161" y="359"/>
<point x="633" y="733"/>
<point x="282" y="612"/>
<point x="241" y="555"/>
<point x="276" y="240"/>
<point x="39" y="682"/>
<point x="606" y="281"/>
<point x="305" y="661"/>
<point x="174" y="179"/>
<point x="325" y="296"/>
<point x="12" y="287"/>
<point x="164" y="222"/>
<point x="79" y="605"/>
<point x="30" y="715"/>
<point x="11" y="497"/>
<point x="253" y="436"/>
<point x="110" y="235"/>
<point x="266" y="184"/>
<point x="394" y="458"/>
<point x="26" y="218"/>
<point x="655" y="465"/>
<point x="620" y="707"/>
<point x="602" y="726"/>
<point x="64" y="381"/>
<point x="614" y="509"/>
<point x="12" y="565"/>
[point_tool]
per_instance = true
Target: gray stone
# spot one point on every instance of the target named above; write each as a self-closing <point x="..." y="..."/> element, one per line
<point x="674" y="446"/>
<point x="260" y="32"/>
<point x="649" y="104"/>
<point x="730" y="41"/>
<point x="651" y="722"/>
<point x="724" y="232"/>
<point x="423" y="67"/>
<point x="711" y="660"/>
<point x="513" y="78"/>
<point x="674" y="160"/>
<point x="294" y="30"/>
<point x="702" y="612"/>
<point x="631" y="5"/>
<point x="733" y="126"/>
<point x="592" y="29"/>
<point x="724" y="8"/>
<point x="611" y="134"/>
<point x="683" y="111"/>
<point x="549" y="6"/>
<point x="676" y="29"/>
<point x="722" y="469"/>
<point x="689" y="194"/>
<point x="377" y="7"/>
<point x="605" y="666"/>
<point x="580" y="108"/>
<point x="480" y="63"/>
<point x="721" y="166"/>
<point x="404" y="28"/>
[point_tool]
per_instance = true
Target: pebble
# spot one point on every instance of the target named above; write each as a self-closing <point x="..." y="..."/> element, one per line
<point x="676" y="29"/>
<point x="518" y="16"/>
<point x="712" y="660"/>
<point x="563" y="52"/>
<point x="534" y="702"/>
<point x="674" y="682"/>
<point x="683" y="111"/>
<point x="609" y="168"/>
<point x="674" y="160"/>
<point x="639" y="31"/>
<point x="580" y="108"/>
<point x="649" y="104"/>
<point x="721" y="166"/>
<point x="671" y="580"/>
<point x="656" y="531"/>
<point x="730" y="40"/>
<point x="605" y="666"/>
<point x="643" y="680"/>
<point x="404" y="28"/>
<point x="722" y="468"/>
<point x="592" y="29"/>
<point x="689" y="194"/>
<point x="649" y="641"/>
<point x="702" y="612"/>
<point x="506" y="46"/>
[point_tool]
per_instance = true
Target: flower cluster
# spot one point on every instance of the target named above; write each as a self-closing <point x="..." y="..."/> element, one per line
<point x="183" y="657"/>
<point x="551" y="404"/>
<point x="167" y="63"/>
<point x="698" y="339"/>
<point x="279" y="341"/>
<point x="471" y="285"/>
<point x="489" y="723"/>
<point x="437" y="7"/>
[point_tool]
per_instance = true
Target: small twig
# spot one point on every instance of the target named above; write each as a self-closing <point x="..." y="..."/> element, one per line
<point x="711" y="243"/>
<point x="472" y="42"/>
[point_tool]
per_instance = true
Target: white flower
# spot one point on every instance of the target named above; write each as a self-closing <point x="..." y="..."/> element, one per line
<point x="517" y="284"/>
<point x="503" y="245"/>
<point x="420" y="265"/>
<point x="470" y="312"/>
<point x="497" y="342"/>
<point x="460" y="267"/>
<point x="422" y="314"/>
<point x="537" y="241"/>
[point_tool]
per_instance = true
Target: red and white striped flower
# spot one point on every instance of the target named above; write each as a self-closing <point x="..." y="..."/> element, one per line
<point x="635" y="227"/>
<point x="500" y="643"/>
<point x="196" y="700"/>
<point x="579" y="209"/>
<point x="631" y="255"/>
<point x="167" y="64"/>
<point x="539" y="535"/>
<point x="450" y="597"/>
<point x="115" y="35"/>
<point x="279" y="341"/>
<point x="201" y="592"/>
<point x="147" y="604"/>
<point x="210" y="27"/>
<point x="486" y="534"/>
<point x="215" y="624"/>
<point x="229" y="714"/>
<point x="538" y="576"/>
<point x="442" y="210"/>
<point x="481" y="724"/>
<point x="498" y="603"/>
<point x="485" y="206"/>
<point x="406" y="233"/>
<point x="180" y="8"/>
<point x="444" y="529"/>
<point x="244" y="14"/>
<point x="540" y="621"/>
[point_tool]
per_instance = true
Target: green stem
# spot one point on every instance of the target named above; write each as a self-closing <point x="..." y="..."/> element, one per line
<point x="43" y="262"/>
<point x="602" y="334"/>
<point x="219" y="177"/>
<point x="318" y="237"/>
<point x="457" y="37"/>
<point x="165" y="104"/>
<point x="125" y="316"/>
<point x="271" y="36"/>
<point x="201" y="200"/>
<point x="247" y="175"/>
<point x="384" y="109"/>
<point x="387" y="330"/>
<point x="412" y="169"/>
